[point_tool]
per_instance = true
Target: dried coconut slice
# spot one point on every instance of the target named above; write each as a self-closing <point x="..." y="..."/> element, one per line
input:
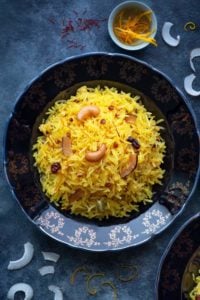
<point x="20" y="287"/>
<point x="51" y="256"/>
<point x="24" y="260"/>
<point x="171" y="41"/>
<point x="57" y="291"/>
<point x="46" y="270"/>
<point x="188" y="85"/>
<point x="66" y="146"/>
<point x="194" y="53"/>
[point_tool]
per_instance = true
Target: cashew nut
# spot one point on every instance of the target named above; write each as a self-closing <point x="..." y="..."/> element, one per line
<point x="132" y="164"/>
<point x="87" y="112"/>
<point x="96" y="155"/>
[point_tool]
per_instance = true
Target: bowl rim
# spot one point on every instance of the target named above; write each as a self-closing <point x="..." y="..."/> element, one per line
<point x="107" y="54"/>
<point x="169" y="246"/>
<point x="112" y="15"/>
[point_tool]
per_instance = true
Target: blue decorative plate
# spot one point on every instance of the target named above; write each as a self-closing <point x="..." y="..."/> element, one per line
<point x="159" y="96"/>
<point x="180" y="260"/>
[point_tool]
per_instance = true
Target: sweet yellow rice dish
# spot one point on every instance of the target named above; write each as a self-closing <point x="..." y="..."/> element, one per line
<point x="195" y="293"/>
<point x="99" y="153"/>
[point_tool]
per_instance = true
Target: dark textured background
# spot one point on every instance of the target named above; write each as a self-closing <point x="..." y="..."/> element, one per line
<point x="29" y="42"/>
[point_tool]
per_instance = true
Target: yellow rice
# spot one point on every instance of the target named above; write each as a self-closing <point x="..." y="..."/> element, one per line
<point x="99" y="190"/>
<point x="196" y="290"/>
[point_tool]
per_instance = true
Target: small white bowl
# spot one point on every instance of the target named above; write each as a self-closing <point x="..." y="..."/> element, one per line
<point x="135" y="5"/>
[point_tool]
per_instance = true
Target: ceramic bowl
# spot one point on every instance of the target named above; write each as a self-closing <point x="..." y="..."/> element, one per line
<point x="136" y="6"/>
<point x="180" y="263"/>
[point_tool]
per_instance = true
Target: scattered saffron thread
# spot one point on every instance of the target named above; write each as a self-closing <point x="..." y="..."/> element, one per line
<point x="69" y="26"/>
<point x="92" y="291"/>
<point x="52" y="20"/>
<point x="75" y="44"/>
<point x="76" y="271"/>
<point x="85" y="11"/>
<point x="75" y="12"/>
<point x="190" y="26"/>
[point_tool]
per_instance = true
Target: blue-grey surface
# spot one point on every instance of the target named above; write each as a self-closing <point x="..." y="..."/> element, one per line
<point x="30" y="41"/>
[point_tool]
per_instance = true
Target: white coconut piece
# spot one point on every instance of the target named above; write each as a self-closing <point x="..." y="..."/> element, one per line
<point x="46" y="270"/>
<point x="194" y="53"/>
<point x="188" y="80"/>
<point x="57" y="291"/>
<point x="51" y="256"/>
<point x="24" y="260"/>
<point x="171" y="41"/>
<point x="20" y="287"/>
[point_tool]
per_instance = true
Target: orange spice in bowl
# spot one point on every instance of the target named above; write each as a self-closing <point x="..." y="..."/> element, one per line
<point x="132" y="25"/>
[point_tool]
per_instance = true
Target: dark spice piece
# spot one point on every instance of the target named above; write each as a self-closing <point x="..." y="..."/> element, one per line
<point x="103" y="121"/>
<point x="11" y="153"/>
<point x="111" y="107"/>
<point x="173" y="202"/>
<point x="134" y="142"/>
<point x="55" y="167"/>
<point x="115" y="145"/>
<point x="108" y="185"/>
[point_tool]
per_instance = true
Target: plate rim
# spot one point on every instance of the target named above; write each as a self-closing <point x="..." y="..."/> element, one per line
<point x="106" y="54"/>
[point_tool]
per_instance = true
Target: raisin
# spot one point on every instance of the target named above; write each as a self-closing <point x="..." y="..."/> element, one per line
<point x="55" y="167"/>
<point x="108" y="185"/>
<point x="103" y="121"/>
<point x="134" y="142"/>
